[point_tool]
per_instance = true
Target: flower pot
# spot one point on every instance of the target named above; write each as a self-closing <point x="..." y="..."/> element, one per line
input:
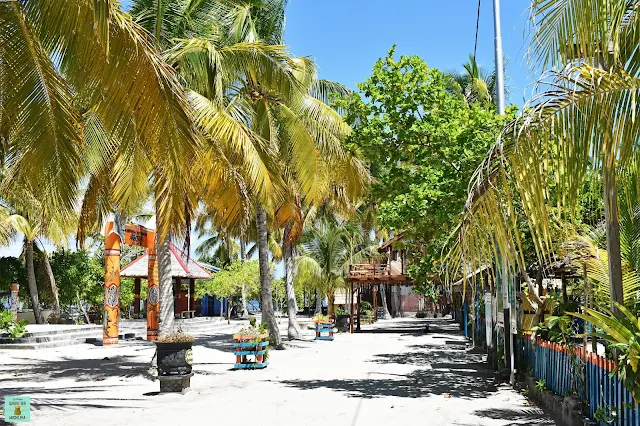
<point x="174" y="365"/>
<point x="250" y="350"/>
<point x="325" y="330"/>
<point x="174" y="358"/>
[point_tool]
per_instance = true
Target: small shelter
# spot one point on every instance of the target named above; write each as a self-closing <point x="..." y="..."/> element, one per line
<point x="390" y="271"/>
<point x="184" y="271"/>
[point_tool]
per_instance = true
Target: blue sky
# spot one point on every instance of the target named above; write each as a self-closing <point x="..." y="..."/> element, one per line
<point x="346" y="37"/>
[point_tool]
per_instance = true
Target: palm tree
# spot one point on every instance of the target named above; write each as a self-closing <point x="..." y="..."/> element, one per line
<point x="173" y="168"/>
<point x="328" y="250"/>
<point x="21" y="214"/>
<point x="475" y="83"/>
<point x="95" y="52"/>
<point x="584" y="120"/>
<point x="288" y="128"/>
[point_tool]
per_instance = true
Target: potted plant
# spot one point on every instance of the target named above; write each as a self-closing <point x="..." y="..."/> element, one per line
<point x="324" y="325"/>
<point x="251" y="346"/>
<point x="174" y="356"/>
<point x="10" y="329"/>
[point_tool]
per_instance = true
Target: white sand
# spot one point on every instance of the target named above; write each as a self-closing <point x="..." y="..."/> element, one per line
<point x="400" y="378"/>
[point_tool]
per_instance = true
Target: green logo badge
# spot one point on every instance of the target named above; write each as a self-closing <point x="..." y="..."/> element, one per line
<point x="17" y="409"/>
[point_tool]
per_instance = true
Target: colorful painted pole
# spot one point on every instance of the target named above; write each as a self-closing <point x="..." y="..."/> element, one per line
<point x="13" y="302"/>
<point x="153" y="291"/>
<point x="111" y="286"/>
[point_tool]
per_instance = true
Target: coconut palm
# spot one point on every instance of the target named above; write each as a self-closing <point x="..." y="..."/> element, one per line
<point x="282" y="122"/>
<point x="328" y="248"/>
<point x="93" y="50"/>
<point x="584" y="118"/>
<point x="174" y="173"/>
<point x="23" y="215"/>
<point x="475" y="83"/>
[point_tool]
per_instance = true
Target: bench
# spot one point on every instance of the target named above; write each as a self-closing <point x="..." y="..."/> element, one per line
<point x="187" y="314"/>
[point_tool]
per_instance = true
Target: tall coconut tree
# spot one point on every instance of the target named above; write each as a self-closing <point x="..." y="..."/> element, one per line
<point x="583" y="118"/>
<point x="21" y="215"/>
<point x="186" y="159"/>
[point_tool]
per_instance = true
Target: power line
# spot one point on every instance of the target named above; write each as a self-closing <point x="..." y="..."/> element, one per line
<point x="475" y="46"/>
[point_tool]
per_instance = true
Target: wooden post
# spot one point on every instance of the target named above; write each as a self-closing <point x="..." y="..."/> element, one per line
<point x="153" y="293"/>
<point x="13" y="302"/>
<point x="177" y="297"/>
<point x="111" y="286"/>
<point x="136" y="297"/>
<point x="375" y="303"/>
<point x="351" y="308"/>
<point x="565" y="297"/>
<point x="192" y="294"/>
<point x="359" y="306"/>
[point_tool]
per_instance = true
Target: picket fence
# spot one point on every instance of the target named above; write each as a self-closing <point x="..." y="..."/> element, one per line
<point x="567" y="370"/>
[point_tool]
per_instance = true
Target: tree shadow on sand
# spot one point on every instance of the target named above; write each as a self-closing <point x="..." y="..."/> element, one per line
<point x="80" y="369"/>
<point x="533" y="416"/>
<point x="469" y="382"/>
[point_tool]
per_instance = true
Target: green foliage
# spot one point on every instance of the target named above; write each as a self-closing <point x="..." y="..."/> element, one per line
<point x="422" y="141"/>
<point x="79" y="275"/>
<point x="541" y="385"/>
<point x="622" y="331"/>
<point x="341" y="311"/>
<point x="15" y="330"/>
<point x="228" y="282"/>
<point x="557" y="329"/>
<point x="606" y="414"/>
<point x="13" y="271"/>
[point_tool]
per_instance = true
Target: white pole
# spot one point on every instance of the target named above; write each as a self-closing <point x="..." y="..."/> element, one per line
<point x="499" y="64"/>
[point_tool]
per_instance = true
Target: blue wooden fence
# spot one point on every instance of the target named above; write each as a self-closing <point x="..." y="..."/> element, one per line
<point x="588" y="375"/>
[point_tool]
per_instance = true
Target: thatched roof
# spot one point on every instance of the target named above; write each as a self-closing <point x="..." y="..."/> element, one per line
<point x="182" y="266"/>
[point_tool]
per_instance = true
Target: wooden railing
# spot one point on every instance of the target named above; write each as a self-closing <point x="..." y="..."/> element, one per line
<point x="373" y="271"/>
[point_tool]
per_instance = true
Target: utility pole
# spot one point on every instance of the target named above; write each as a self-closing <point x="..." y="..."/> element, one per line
<point x="500" y="104"/>
<point x="499" y="64"/>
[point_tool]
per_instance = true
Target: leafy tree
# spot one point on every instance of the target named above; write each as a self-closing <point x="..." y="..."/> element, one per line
<point x="422" y="142"/>
<point x="232" y="280"/>
<point x="13" y="271"/>
<point x="80" y="278"/>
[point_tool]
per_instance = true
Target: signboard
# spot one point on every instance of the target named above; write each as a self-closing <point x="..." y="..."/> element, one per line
<point x="17" y="409"/>
<point x="138" y="235"/>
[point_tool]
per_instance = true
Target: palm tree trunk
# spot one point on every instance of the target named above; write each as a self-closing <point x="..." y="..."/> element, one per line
<point x="52" y="282"/>
<point x="165" y="282"/>
<point x="268" y="315"/>
<point x="318" y="310"/>
<point x="81" y="308"/>
<point x="31" y="279"/>
<point x="293" y="330"/>
<point x="613" y="236"/>
<point x="331" y="306"/>
<point x="243" y="292"/>
<point x="394" y="301"/>
<point x="383" y="294"/>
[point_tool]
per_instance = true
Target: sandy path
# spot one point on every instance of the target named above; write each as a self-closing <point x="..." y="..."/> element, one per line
<point x="393" y="374"/>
